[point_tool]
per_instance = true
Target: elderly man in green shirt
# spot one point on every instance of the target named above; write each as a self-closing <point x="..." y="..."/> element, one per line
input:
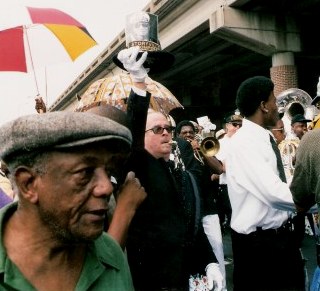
<point x="52" y="238"/>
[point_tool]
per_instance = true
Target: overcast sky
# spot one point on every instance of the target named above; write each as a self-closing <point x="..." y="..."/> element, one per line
<point x="104" y="19"/>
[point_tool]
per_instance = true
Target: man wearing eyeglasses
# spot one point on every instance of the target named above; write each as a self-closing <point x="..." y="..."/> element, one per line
<point x="278" y="131"/>
<point x="166" y="242"/>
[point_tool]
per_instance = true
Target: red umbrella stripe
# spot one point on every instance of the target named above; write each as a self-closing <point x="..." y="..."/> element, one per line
<point x="54" y="16"/>
<point x="12" y="54"/>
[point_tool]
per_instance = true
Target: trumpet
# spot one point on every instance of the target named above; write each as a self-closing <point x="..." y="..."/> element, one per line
<point x="209" y="147"/>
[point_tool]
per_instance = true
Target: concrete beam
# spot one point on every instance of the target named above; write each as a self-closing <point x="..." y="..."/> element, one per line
<point x="190" y="16"/>
<point x="263" y="33"/>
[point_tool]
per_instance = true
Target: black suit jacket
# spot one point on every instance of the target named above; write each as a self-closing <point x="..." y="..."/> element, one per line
<point x="162" y="252"/>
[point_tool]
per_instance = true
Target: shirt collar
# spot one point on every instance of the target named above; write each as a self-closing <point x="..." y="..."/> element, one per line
<point x="256" y="130"/>
<point x="5" y="212"/>
<point x="106" y="255"/>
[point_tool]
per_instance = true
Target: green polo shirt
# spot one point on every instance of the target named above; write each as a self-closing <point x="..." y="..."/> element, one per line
<point x="105" y="266"/>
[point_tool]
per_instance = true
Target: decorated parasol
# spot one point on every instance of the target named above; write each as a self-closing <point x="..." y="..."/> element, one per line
<point x="115" y="91"/>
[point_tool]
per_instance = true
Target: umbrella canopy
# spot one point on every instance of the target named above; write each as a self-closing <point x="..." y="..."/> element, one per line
<point x="115" y="91"/>
<point x="49" y="35"/>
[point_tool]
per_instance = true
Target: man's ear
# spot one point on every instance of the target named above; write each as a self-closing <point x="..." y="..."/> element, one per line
<point x="263" y="107"/>
<point x="25" y="180"/>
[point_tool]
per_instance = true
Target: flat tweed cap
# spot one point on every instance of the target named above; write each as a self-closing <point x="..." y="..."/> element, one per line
<point x="59" y="129"/>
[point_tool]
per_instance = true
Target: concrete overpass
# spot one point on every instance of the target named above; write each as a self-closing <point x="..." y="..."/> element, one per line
<point x="219" y="43"/>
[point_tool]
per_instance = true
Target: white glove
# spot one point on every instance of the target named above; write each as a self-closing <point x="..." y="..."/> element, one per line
<point x="214" y="276"/>
<point x="135" y="67"/>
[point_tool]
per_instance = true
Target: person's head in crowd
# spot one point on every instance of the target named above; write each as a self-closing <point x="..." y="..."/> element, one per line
<point x="278" y="131"/>
<point x="256" y="101"/>
<point x="186" y="130"/>
<point x="108" y="111"/>
<point x="158" y="135"/>
<point x="232" y="123"/>
<point x="299" y="125"/>
<point x="61" y="164"/>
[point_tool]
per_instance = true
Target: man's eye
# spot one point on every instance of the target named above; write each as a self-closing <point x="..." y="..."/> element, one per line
<point x="84" y="175"/>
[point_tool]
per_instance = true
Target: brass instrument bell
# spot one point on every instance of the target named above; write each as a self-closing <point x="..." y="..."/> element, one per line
<point x="209" y="147"/>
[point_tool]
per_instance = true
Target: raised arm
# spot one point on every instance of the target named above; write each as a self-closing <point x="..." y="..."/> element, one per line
<point x="128" y="199"/>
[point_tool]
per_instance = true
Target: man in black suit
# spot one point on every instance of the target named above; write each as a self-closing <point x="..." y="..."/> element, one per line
<point x="166" y="242"/>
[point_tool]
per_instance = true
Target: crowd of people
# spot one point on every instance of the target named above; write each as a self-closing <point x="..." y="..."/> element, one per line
<point x="178" y="189"/>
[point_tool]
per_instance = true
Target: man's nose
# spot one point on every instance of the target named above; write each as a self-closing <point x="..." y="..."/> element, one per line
<point x="103" y="185"/>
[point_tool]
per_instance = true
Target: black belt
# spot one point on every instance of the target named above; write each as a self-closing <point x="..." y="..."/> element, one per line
<point x="272" y="230"/>
<point x="286" y="228"/>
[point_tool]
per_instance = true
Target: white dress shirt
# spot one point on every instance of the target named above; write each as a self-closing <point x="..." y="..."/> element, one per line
<point x="258" y="196"/>
<point x="221" y="156"/>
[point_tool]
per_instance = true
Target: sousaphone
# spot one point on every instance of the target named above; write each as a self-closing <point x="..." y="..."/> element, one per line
<point x="294" y="101"/>
<point x="291" y="102"/>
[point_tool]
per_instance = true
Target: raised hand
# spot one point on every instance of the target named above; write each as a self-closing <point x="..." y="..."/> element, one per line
<point x="128" y="57"/>
<point x="40" y="105"/>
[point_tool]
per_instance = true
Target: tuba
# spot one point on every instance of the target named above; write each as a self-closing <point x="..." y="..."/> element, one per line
<point x="288" y="149"/>
<point x="294" y="101"/>
<point x="291" y="102"/>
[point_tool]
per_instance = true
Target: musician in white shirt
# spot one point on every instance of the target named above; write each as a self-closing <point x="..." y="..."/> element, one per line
<point x="263" y="246"/>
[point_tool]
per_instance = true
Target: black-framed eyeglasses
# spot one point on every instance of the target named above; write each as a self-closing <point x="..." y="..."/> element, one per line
<point x="159" y="129"/>
<point x="236" y="124"/>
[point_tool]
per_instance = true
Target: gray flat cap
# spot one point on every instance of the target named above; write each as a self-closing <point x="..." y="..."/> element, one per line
<point x="60" y="129"/>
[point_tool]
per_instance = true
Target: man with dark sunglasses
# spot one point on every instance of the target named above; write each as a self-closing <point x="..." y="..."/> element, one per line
<point x="166" y="242"/>
<point x="159" y="129"/>
<point x="235" y="124"/>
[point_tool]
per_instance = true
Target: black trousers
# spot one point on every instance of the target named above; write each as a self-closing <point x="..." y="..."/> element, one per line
<point x="224" y="206"/>
<point x="267" y="260"/>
